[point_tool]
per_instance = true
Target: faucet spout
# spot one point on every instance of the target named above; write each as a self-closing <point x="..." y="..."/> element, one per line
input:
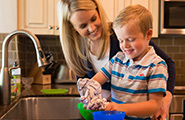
<point x="4" y="75"/>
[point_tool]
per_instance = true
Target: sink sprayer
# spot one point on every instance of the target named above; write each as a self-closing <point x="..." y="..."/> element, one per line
<point x="5" y="96"/>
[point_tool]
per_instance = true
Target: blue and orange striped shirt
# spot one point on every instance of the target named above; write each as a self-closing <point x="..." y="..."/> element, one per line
<point x="131" y="81"/>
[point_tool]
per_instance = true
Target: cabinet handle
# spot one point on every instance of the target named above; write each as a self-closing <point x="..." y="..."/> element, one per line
<point x="56" y="28"/>
<point x="50" y="27"/>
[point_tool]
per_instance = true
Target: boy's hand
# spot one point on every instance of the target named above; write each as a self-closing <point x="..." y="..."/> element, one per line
<point x="112" y="106"/>
<point x="90" y="92"/>
<point x="97" y="104"/>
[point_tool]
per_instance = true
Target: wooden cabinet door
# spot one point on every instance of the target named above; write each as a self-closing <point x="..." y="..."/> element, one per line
<point x="56" y="25"/>
<point x="154" y="9"/>
<point x="8" y="13"/>
<point x="36" y="16"/>
<point x="109" y="7"/>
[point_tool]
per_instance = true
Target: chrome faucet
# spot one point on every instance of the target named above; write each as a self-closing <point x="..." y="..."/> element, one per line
<point x="5" y="96"/>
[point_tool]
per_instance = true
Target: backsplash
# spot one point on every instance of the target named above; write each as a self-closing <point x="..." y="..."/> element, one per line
<point x="26" y="56"/>
<point x="174" y="46"/>
<point x="12" y="50"/>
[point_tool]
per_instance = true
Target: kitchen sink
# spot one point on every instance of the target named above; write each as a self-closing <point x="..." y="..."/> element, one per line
<point x="42" y="108"/>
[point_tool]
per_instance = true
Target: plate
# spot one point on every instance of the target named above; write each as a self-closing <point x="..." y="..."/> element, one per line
<point x="54" y="91"/>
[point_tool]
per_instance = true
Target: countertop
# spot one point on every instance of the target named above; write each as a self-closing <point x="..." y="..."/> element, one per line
<point x="179" y="90"/>
<point x="34" y="90"/>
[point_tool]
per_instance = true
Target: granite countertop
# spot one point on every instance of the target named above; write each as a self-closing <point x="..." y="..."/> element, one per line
<point x="34" y="91"/>
<point x="179" y="90"/>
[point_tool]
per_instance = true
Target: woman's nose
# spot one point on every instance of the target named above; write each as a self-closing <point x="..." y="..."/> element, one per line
<point x="91" y="27"/>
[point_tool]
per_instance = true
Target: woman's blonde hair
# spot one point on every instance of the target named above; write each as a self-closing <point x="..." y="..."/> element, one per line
<point x="75" y="47"/>
<point x="135" y="12"/>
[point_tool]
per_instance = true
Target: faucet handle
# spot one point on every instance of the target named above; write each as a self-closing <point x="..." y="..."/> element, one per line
<point x="49" y="56"/>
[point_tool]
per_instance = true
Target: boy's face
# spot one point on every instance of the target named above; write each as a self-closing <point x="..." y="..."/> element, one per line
<point x="132" y="41"/>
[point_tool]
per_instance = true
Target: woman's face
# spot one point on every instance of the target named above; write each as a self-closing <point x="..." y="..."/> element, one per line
<point x="87" y="23"/>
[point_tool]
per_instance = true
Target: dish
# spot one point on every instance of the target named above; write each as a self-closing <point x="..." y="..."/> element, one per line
<point x="54" y="91"/>
<point x="86" y="114"/>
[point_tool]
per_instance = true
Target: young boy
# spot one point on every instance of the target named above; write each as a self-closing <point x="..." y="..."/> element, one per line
<point x="138" y="75"/>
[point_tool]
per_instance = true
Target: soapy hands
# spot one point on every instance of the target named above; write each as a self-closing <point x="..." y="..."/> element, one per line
<point x="112" y="106"/>
<point x="90" y="92"/>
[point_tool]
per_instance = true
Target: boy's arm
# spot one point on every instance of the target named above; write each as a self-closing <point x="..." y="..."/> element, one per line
<point x="100" y="77"/>
<point x="139" y="109"/>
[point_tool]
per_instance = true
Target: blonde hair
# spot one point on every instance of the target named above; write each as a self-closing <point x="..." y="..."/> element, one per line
<point x="75" y="47"/>
<point x="135" y="12"/>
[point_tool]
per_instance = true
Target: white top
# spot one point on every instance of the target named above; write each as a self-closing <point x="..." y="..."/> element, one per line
<point x="98" y="64"/>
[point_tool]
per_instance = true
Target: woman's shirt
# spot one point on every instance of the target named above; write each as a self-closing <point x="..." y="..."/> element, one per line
<point x="97" y="65"/>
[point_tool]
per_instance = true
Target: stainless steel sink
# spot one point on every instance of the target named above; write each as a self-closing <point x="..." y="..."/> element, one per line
<point x="42" y="108"/>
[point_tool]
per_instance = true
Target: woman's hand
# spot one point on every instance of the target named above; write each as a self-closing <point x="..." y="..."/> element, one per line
<point x="162" y="113"/>
<point x="164" y="109"/>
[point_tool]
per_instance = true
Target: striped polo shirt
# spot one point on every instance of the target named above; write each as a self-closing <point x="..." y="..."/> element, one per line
<point x="131" y="81"/>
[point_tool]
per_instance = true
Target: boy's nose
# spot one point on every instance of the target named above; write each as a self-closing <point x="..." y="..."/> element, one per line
<point x="126" y="45"/>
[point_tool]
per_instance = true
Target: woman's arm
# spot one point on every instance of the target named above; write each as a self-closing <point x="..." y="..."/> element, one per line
<point x="164" y="110"/>
<point x="139" y="109"/>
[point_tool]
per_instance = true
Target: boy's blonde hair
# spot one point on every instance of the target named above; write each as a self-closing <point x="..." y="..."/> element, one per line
<point x="136" y="12"/>
<point x="75" y="47"/>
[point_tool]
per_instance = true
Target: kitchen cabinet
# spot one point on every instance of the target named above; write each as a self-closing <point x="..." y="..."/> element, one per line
<point x="8" y="13"/>
<point x="38" y="16"/>
<point x="113" y="7"/>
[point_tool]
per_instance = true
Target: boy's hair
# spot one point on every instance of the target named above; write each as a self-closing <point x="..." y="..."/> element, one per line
<point x="134" y="12"/>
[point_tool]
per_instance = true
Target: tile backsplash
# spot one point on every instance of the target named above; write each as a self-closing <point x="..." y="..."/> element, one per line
<point x="174" y="46"/>
<point x="26" y="55"/>
<point x="12" y="50"/>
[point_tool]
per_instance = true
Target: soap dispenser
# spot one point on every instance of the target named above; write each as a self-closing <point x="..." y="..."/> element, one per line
<point x="15" y="74"/>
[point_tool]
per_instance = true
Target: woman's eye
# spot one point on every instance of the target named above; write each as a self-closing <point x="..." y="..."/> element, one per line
<point x="93" y="18"/>
<point x="83" y="26"/>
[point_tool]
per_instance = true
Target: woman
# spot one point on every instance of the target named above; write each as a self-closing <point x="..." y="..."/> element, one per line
<point x="88" y="42"/>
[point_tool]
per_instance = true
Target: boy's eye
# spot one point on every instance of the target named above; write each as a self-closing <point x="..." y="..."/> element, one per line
<point x="131" y="39"/>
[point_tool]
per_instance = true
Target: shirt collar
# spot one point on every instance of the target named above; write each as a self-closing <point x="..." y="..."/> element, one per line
<point x="146" y="60"/>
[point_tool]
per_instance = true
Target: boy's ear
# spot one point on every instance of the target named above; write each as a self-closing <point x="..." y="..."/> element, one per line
<point x="149" y="34"/>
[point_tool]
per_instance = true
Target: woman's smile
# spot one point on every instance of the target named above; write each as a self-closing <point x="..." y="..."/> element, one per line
<point x="87" y="23"/>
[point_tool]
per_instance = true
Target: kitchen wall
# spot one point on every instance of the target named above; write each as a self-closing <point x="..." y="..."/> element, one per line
<point x="26" y="56"/>
<point x="48" y="44"/>
<point x="12" y="49"/>
<point x="174" y="46"/>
